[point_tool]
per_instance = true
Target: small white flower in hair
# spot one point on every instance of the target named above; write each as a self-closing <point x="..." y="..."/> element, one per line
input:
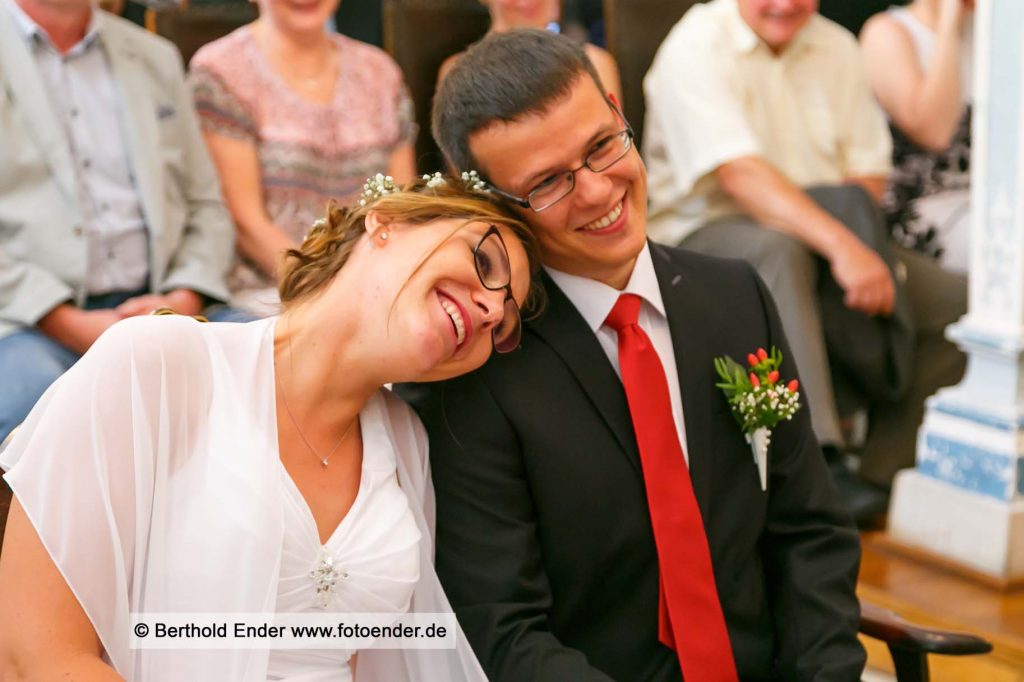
<point x="435" y="180"/>
<point x="376" y="187"/>
<point x="471" y="179"/>
<point x="318" y="224"/>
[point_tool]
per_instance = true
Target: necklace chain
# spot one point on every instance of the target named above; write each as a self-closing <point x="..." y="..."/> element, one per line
<point x="295" y="422"/>
<point x="328" y="69"/>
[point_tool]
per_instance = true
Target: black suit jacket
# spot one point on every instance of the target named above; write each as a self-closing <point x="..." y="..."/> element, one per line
<point x="544" y="540"/>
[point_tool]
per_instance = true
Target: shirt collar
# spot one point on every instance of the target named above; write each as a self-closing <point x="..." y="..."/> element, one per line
<point x="30" y="30"/>
<point x="595" y="299"/>
<point x="745" y="41"/>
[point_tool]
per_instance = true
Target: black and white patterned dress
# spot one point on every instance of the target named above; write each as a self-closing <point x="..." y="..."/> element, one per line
<point x="927" y="203"/>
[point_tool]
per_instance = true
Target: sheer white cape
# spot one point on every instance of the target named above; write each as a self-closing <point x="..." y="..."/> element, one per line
<point x="150" y="471"/>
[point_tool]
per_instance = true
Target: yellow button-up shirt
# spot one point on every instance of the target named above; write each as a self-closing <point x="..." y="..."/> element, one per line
<point x="716" y="93"/>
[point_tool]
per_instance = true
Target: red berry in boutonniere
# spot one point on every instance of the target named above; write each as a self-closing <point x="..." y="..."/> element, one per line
<point x="762" y="354"/>
<point x="754" y="381"/>
<point x="793" y="386"/>
<point x="752" y="359"/>
<point x="773" y="376"/>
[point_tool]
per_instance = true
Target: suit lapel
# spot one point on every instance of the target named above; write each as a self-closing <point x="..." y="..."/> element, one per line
<point x="23" y="82"/>
<point x="567" y="333"/>
<point x="693" y="365"/>
<point x="140" y="122"/>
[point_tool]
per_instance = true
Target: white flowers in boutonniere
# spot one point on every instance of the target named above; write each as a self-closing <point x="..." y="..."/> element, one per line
<point x="759" y="400"/>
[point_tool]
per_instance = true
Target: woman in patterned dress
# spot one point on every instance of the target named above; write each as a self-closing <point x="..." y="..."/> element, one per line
<point x="295" y="116"/>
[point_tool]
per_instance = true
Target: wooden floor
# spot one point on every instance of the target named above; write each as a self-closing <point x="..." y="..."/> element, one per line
<point x="929" y="595"/>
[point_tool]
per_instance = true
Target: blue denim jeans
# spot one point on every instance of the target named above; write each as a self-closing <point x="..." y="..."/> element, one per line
<point x="30" y="361"/>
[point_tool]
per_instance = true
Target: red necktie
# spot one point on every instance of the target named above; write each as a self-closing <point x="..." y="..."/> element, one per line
<point x="690" y="619"/>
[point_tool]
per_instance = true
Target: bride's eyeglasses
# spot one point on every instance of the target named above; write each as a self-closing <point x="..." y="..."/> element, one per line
<point x="492" y="267"/>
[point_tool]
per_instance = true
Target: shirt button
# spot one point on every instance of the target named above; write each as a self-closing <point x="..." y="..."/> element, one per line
<point x="78" y="230"/>
<point x="86" y="163"/>
<point x="74" y="113"/>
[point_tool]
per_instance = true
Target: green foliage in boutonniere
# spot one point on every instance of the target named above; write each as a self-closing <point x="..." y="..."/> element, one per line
<point x="756" y="395"/>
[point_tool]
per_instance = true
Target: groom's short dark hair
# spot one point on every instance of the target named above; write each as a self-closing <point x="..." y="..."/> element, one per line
<point x="504" y="77"/>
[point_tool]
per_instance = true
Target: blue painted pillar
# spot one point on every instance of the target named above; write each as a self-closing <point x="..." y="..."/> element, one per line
<point x="965" y="498"/>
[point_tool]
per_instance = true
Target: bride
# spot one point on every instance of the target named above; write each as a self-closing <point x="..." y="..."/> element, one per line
<point x="261" y="467"/>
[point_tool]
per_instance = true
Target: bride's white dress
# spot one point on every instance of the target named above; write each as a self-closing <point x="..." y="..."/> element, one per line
<point x="373" y="556"/>
<point x="151" y="472"/>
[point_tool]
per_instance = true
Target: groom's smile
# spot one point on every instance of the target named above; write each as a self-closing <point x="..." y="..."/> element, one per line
<point x="608" y="223"/>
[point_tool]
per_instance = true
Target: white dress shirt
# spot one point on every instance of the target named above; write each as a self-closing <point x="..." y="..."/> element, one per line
<point x="595" y="300"/>
<point x="86" y="99"/>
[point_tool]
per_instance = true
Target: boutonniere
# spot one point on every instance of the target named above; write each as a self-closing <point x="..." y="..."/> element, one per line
<point x="759" y="400"/>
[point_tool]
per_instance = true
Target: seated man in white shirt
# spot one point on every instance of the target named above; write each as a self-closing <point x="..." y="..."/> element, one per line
<point x="109" y="204"/>
<point x="763" y="142"/>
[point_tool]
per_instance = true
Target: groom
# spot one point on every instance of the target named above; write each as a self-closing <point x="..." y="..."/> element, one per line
<point x="599" y="513"/>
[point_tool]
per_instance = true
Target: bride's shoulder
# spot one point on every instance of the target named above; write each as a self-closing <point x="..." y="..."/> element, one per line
<point x="168" y="342"/>
<point x="151" y="332"/>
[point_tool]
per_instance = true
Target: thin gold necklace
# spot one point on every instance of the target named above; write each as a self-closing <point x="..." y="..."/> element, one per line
<point x="295" y="422"/>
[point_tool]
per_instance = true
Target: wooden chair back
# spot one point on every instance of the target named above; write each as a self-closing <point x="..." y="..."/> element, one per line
<point x="191" y="27"/>
<point x="420" y="35"/>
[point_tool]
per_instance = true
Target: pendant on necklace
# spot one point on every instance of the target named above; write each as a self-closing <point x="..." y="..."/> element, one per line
<point x="323" y="462"/>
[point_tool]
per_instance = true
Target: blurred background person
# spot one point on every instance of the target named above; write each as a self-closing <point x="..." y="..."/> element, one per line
<point x="109" y="205"/>
<point x="918" y="61"/>
<point x="295" y="116"/>
<point x="583" y="20"/>
<point x="507" y="15"/>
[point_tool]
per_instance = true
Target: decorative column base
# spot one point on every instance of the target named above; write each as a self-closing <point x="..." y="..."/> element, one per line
<point x="963" y="503"/>
<point x="934" y="519"/>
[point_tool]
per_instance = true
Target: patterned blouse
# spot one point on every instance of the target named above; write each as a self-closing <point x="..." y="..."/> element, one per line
<point x="928" y="201"/>
<point x="919" y="173"/>
<point x="309" y="153"/>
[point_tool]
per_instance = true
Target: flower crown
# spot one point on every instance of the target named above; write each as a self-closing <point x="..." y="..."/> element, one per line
<point x="381" y="185"/>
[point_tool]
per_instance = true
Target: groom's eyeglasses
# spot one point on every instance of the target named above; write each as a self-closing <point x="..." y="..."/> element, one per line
<point x="492" y="267"/>
<point x="553" y="189"/>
